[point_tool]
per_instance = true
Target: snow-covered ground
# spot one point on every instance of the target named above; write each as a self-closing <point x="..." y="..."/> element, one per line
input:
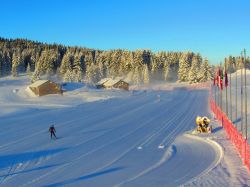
<point x="112" y="138"/>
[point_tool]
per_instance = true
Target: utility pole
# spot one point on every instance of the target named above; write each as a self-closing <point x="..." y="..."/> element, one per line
<point x="241" y="92"/>
<point x="236" y="90"/>
<point x="245" y="58"/>
<point x="225" y="66"/>
<point x="221" y="88"/>
<point x="215" y="86"/>
<point x="230" y="92"/>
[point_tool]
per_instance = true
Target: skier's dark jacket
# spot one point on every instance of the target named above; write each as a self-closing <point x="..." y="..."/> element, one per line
<point x="52" y="129"/>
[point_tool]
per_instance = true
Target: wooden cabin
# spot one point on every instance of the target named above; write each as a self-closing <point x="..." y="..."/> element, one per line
<point x="45" y="87"/>
<point x="101" y="83"/>
<point x="116" y="83"/>
<point x="113" y="83"/>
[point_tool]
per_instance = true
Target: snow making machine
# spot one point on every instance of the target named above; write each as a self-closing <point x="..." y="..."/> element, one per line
<point x="202" y="125"/>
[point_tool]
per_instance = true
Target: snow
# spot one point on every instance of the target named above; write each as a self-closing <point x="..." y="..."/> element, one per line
<point x="111" y="82"/>
<point x="112" y="138"/>
<point x="103" y="81"/>
<point x="38" y="83"/>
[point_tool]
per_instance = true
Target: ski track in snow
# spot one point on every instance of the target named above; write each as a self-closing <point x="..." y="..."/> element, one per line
<point x="62" y="167"/>
<point x="99" y="143"/>
<point x="62" y="124"/>
<point x="166" y="141"/>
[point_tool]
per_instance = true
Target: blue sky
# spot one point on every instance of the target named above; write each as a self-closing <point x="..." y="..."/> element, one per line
<point x="215" y="28"/>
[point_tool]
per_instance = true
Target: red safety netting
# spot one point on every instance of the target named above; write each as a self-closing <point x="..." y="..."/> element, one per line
<point x="234" y="135"/>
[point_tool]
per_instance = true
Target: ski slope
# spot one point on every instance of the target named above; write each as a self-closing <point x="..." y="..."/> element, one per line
<point x="109" y="138"/>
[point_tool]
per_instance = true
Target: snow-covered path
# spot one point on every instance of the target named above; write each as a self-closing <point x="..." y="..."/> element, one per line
<point x="126" y="141"/>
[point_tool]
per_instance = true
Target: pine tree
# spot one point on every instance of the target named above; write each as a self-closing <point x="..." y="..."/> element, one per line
<point x="184" y="66"/>
<point x="129" y="77"/>
<point x="166" y="72"/>
<point x="146" y="79"/>
<point x="194" y="70"/>
<point x="67" y="77"/>
<point x="136" y="76"/>
<point x="1" y="64"/>
<point x="65" y="64"/>
<point x="91" y="74"/>
<point x="28" y="71"/>
<point x="15" y="62"/>
<point x="205" y="71"/>
<point x="77" y="75"/>
<point x="77" y="68"/>
<point x="58" y="58"/>
<point x="101" y="70"/>
<point x="38" y="70"/>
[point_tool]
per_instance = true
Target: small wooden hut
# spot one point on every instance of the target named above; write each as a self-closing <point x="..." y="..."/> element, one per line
<point x="101" y="83"/>
<point x="45" y="87"/>
<point x="116" y="83"/>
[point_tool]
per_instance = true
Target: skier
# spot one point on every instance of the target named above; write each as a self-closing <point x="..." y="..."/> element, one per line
<point x="52" y="131"/>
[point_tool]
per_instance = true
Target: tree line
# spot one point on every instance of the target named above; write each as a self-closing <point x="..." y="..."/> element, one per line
<point x="233" y="63"/>
<point x="75" y="64"/>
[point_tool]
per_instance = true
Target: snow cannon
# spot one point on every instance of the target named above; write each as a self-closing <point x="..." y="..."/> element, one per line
<point x="202" y="125"/>
<point x="198" y="120"/>
<point x="205" y="124"/>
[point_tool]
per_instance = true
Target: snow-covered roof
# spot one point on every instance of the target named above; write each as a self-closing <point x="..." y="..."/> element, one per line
<point x="112" y="82"/>
<point x="103" y="81"/>
<point x="38" y="83"/>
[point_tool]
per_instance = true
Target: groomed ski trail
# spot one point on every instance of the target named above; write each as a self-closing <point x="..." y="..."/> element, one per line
<point x="100" y="140"/>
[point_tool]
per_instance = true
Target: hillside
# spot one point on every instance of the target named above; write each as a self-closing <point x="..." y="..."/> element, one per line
<point x="112" y="138"/>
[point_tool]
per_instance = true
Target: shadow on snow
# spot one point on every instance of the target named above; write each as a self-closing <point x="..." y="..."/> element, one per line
<point x="29" y="170"/>
<point x="9" y="160"/>
<point x="85" y="177"/>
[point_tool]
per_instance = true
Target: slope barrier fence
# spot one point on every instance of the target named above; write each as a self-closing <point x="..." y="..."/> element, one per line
<point x="234" y="135"/>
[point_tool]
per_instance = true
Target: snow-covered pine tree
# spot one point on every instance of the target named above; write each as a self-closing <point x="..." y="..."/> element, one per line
<point x="88" y="58"/>
<point x="38" y="68"/>
<point x="49" y="68"/>
<point x="28" y="71"/>
<point x="146" y="78"/>
<point x="7" y="63"/>
<point x="161" y="60"/>
<point x="230" y="64"/>
<point x="205" y="71"/>
<point x="34" y="59"/>
<point x="65" y="64"/>
<point x="15" y="63"/>
<point x="194" y="70"/>
<point x="77" y="69"/>
<point x="126" y="62"/>
<point x="136" y="76"/>
<point x="129" y="77"/>
<point x="77" y="75"/>
<point x="166" y="71"/>
<point x="51" y="62"/>
<point x="68" y="76"/>
<point x="35" y="76"/>
<point x="100" y="70"/>
<point x="184" y="66"/>
<point x="91" y="74"/>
